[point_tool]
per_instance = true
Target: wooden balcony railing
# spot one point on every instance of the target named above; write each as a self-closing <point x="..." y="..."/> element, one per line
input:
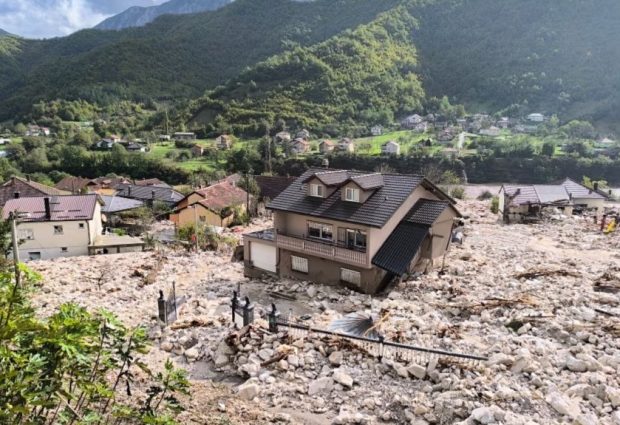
<point x="320" y="249"/>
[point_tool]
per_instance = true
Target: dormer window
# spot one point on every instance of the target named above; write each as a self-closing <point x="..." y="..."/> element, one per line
<point x="352" y="194"/>
<point x="316" y="190"/>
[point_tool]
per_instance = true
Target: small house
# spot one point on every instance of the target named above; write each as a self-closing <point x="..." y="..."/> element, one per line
<point x="197" y="150"/>
<point x="299" y="146"/>
<point x="149" y="194"/>
<point x="490" y="132"/>
<point x="224" y="142"/>
<point x="411" y="121"/>
<point x="503" y="122"/>
<point x="17" y="187"/>
<point x="135" y="147"/>
<point x="421" y="127"/>
<point x="164" y="137"/>
<point x="346" y="145"/>
<point x="303" y="134"/>
<point x="282" y="137"/>
<point x="445" y="136"/>
<point x="326" y="146"/>
<point x="536" y="117"/>
<point x="390" y="148"/>
<point x="105" y="144"/>
<point x="181" y="135"/>
<point x="376" y="130"/>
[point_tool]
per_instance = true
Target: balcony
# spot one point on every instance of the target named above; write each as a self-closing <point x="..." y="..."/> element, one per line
<point x="322" y="249"/>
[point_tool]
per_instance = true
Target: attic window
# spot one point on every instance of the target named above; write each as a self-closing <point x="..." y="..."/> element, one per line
<point x="316" y="190"/>
<point x="352" y="194"/>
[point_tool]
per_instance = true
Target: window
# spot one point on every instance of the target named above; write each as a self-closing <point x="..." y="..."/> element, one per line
<point x="64" y="249"/>
<point x="316" y="190"/>
<point x="81" y="225"/>
<point x="299" y="264"/>
<point x="352" y="194"/>
<point x="26" y="234"/>
<point x="350" y="276"/>
<point x="58" y="230"/>
<point x="203" y="219"/>
<point x="320" y="231"/>
<point x="356" y="239"/>
<point x="32" y="256"/>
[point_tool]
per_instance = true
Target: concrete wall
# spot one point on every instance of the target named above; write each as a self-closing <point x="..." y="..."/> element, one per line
<point x="203" y="215"/>
<point x="327" y="272"/>
<point x="595" y="204"/>
<point x="441" y="233"/>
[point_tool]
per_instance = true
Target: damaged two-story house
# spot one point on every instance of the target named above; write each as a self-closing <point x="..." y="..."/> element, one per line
<point x="352" y="228"/>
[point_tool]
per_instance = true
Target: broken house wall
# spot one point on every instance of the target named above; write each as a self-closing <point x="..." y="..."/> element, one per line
<point x="594" y="204"/>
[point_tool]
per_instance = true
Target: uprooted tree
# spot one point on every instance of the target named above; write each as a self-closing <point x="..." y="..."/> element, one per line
<point x="76" y="367"/>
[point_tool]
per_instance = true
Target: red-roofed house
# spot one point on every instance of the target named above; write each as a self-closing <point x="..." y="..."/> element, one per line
<point x="213" y="205"/>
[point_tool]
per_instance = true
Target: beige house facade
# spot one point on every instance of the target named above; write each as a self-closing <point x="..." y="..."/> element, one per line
<point x="353" y="229"/>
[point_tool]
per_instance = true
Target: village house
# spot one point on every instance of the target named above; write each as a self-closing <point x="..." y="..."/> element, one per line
<point x="214" y="205"/>
<point x="446" y="135"/>
<point x="606" y="142"/>
<point x="153" y="181"/>
<point x="105" y="144"/>
<point x="134" y="147"/>
<point x="17" y="187"/>
<point x="269" y="189"/>
<point x="536" y="117"/>
<point x="224" y="142"/>
<point x="490" y="132"/>
<point x="524" y="202"/>
<point x="346" y="145"/>
<point x="99" y="185"/>
<point x="390" y="148"/>
<point x="184" y="135"/>
<point x="348" y="228"/>
<point x="503" y="123"/>
<point x="299" y="146"/>
<point x="326" y="146"/>
<point x="64" y="226"/>
<point x="149" y="194"/>
<point x="164" y="137"/>
<point x="376" y="130"/>
<point x="421" y="127"/>
<point x="411" y="121"/>
<point x="282" y="137"/>
<point x="197" y="150"/>
<point x="303" y="134"/>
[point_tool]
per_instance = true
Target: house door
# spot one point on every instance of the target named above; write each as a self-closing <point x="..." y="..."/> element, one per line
<point x="263" y="256"/>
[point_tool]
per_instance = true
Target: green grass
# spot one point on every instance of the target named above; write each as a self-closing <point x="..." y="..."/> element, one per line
<point x="405" y="138"/>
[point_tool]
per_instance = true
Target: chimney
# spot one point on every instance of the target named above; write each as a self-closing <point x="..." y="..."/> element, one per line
<point x="16" y="195"/>
<point x="48" y="211"/>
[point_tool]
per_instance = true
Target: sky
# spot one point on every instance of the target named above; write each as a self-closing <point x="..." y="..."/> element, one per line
<point x="53" y="18"/>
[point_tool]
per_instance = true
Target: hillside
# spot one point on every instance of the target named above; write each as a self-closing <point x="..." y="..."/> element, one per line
<point x="139" y="16"/>
<point x="364" y="76"/>
<point x="3" y="32"/>
<point x="175" y="57"/>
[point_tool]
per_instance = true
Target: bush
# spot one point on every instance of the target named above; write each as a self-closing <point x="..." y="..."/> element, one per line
<point x="485" y="195"/>
<point x="495" y="205"/>
<point x="458" y="192"/>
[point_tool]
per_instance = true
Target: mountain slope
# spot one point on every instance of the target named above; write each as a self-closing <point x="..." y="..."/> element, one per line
<point x="364" y="76"/>
<point x="3" y="32"/>
<point x="139" y="16"/>
<point x="175" y="57"/>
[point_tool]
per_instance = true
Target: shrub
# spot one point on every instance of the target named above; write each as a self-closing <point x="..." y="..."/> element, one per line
<point x="495" y="205"/>
<point x="485" y="195"/>
<point x="458" y="192"/>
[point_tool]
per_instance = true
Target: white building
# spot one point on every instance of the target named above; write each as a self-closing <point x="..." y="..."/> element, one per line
<point x="536" y="117"/>
<point x="390" y="148"/>
<point x="376" y="130"/>
<point x="64" y="226"/>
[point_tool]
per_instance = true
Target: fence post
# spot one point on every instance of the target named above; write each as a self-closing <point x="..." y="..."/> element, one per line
<point x="161" y="307"/>
<point x="248" y="312"/>
<point x="234" y="304"/>
<point x="273" y="319"/>
<point x="381" y="338"/>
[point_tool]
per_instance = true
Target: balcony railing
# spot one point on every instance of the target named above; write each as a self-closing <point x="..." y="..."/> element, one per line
<point x="322" y="249"/>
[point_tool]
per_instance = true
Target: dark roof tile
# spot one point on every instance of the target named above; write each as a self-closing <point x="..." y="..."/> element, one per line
<point x="369" y="181"/>
<point x="397" y="252"/>
<point x="426" y="211"/>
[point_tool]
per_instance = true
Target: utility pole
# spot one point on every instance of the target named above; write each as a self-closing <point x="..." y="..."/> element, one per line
<point x="195" y="225"/>
<point x="15" y="248"/>
<point x="247" y="191"/>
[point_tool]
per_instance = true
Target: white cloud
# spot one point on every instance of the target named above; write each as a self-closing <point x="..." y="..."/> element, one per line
<point x="51" y="18"/>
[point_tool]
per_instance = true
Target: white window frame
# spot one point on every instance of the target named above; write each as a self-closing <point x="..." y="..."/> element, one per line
<point x="316" y="190"/>
<point x="352" y="194"/>
<point x="356" y="233"/>
<point x="299" y="264"/>
<point x="351" y="276"/>
<point x="322" y="227"/>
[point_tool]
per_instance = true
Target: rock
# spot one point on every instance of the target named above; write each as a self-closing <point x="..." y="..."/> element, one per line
<point x="500" y="358"/>
<point x="293" y="360"/>
<point x="265" y="353"/>
<point x="221" y="360"/>
<point x="417" y="371"/>
<point x="188" y="341"/>
<point x="335" y="358"/>
<point x="343" y="378"/>
<point x="401" y="370"/>
<point x="166" y="346"/>
<point x="321" y="385"/>
<point x="248" y="391"/>
<point x="562" y="404"/>
<point x="587" y="419"/>
<point x="311" y="291"/>
<point x="192" y="353"/>
<point x="252" y="369"/>
<point x="615" y="417"/>
<point x="576" y="365"/>
<point x="484" y="415"/>
<point x="613" y="395"/>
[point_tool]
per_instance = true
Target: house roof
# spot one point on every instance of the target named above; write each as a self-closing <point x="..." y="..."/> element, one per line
<point x="271" y="186"/>
<point x="399" y="249"/>
<point x="579" y="191"/>
<point x="390" y="142"/>
<point x="521" y="195"/>
<point x="114" y="204"/>
<point x="222" y="195"/>
<point x="426" y="211"/>
<point x="326" y="142"/>
<point x="72" y="184"/>
<point x="549" y="194"/>
<point x="151" y="182"/>
<point x="375" y="212"/>
<point x="164" y="194"/>
<point x="26" y="189"/>
<point x="368" y="181"/>
<point x="62" y="208"/>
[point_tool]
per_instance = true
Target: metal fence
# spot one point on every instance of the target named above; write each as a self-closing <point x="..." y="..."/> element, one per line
<point x="377" y="347"/>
